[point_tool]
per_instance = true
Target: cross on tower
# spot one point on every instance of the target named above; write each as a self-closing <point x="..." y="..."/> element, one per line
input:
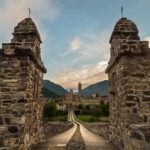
<point x="29" y="12"/>
<point x="122" y="11"/>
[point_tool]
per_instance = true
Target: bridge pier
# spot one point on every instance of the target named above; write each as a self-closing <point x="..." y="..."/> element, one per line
<point x="129" y="81"/>
<point x="21" y="75"/>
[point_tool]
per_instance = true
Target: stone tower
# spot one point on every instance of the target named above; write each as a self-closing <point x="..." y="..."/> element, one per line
<point x="21" y="75"/>
<point x="129" y="80"/>
<point x="79" y="90"/>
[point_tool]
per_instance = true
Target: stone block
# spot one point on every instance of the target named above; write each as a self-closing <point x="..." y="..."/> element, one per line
<point x="134" y="118"/>
<point x="13" y="129"/>
<point x="136" y="135"/>
<point x="3" y="130"/>
<point x="1" y="120"/>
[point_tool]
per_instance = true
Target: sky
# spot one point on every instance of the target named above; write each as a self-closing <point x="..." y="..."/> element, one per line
<point x="75" y="33"/>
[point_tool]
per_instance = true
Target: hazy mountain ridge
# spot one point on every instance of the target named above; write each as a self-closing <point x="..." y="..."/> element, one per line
<point x="55" y="88"/>
<point x="49" y="94"/>
<point x="100" y="88"/>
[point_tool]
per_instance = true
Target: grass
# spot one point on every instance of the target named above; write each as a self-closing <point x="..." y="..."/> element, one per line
<point x="104" y="119"/>
<point x="90" y="118"/>
<point x="87" y="118"/>
<point x="63" y="118"/>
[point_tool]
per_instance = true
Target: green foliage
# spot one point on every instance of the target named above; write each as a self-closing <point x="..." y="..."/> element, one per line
<point x="49" y="109"/>
<point x="80" y="106"/>
<point x="93" y="119"/>
<point x="61" y="112"/>
<point x="86" y="118"/>
<point x="50" y="113"/>
<point x="64" y="118"/>
<point x="58" y="118"/>
<point x="87" y="107"/>
<point x="105" y="109"/>
<point x="90" y="118"/>
<point x="94" y="113"/>
<point x="103" y="119"/>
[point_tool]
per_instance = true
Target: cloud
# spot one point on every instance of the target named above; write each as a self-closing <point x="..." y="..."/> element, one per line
<point x="90" y="58"/>
<point x="75" y="44"/>
<point x="13" y="11"/>
<point x="96" y="44"/>
<point x="89" y="47"/>
<point x="147" y="39"/>
<point x="86" y="75"/>
<point x="83" y="47"/>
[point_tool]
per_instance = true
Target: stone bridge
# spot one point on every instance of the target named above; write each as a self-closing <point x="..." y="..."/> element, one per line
<point x="76" y="138"/>
<point x="21" y="75"/>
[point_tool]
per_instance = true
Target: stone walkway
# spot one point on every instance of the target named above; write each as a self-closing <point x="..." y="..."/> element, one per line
<point x="76" y="142"/>
<point x="57" y="142"/>
<point x="93" y="141"/>
<point x="60" y="141"/>
<point x="76" y="138"/>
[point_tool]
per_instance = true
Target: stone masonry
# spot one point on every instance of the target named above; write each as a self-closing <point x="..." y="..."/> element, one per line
<point x="21" y="75"/>
<point x="129" y="79"/>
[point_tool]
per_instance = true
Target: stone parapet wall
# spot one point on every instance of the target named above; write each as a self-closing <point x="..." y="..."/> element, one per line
<point x="51" y="129"/>
<point x="101" y="129"/>
<point x="54" y="128"/>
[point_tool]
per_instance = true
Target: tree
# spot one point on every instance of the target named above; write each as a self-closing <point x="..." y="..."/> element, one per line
<point x="80" y="106"/>
<point x="105" y="109"/>
<point x="49" y="109"/>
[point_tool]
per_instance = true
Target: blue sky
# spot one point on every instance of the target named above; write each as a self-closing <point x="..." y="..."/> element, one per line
<point x="75" y="33"/>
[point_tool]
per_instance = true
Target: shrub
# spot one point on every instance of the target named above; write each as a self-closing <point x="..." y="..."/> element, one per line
<point x="80" y="106"/>
<point x="49" y="109"/>
<point x="92" y="119"/>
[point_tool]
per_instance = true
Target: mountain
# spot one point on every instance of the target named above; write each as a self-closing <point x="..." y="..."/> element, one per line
<point x="48" y="93"/>
<point x="100" y="88"/>
<point x="53" y="87"/>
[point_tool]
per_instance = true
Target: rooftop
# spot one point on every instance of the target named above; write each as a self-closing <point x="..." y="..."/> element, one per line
<point x="27" y="26"/>
<point x="124" y="25"/>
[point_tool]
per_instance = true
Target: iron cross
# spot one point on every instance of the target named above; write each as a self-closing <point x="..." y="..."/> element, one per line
<point x="122" y="11"/>
<point x="29" y="12"/>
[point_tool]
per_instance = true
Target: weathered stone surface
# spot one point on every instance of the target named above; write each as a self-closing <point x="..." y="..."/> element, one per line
<point x="1" y="120"/>
<point x="129" y="79"/>
<point x="21" y="75"/>
<point x="54" y="128"/>
<point x="101" y="129"/>
<point x="51" y="129"/>
<point x="136" y="135"/>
